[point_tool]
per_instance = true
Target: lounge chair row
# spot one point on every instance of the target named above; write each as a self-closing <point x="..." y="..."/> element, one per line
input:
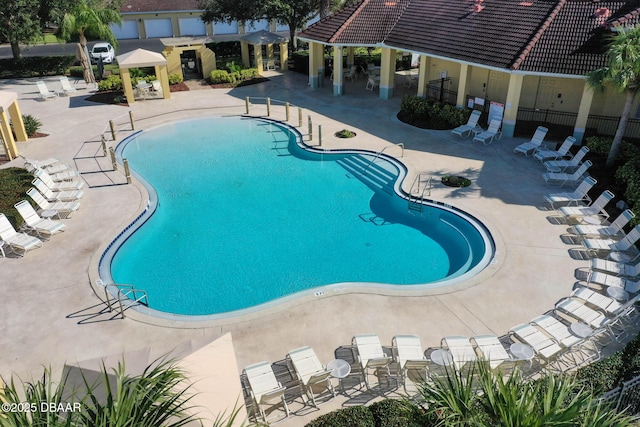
<point x="479" y="135"/>
<point x="65" y="89"/>
<point x="36" y="229"/>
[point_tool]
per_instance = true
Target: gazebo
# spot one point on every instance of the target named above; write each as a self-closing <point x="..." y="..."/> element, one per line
<point x="143" y="58"/>
<point x="259" y="39"/>
<point x="9" y="102"/>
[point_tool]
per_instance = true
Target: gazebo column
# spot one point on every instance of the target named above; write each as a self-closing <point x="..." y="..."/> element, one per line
<point x="244" y="50"/>
<point x="512" y="103"/>
<point x="583" y="113"/>
<point x="125" y="75"/>
<point x="269" y="49"/>
<point x="462" y="86"/>
<point x="423" y="75"/>
<point x="163" y="76"/>
<point x="338" y="73"/>
<point x="387" y="73"/>
<point x="257" y="56"/>
<point x="18" y="123"/>
<point x="350" y="52"/>
<point x="284" y="56"/>
<point x="316" y="65"/>
<point x="7" y="136"/>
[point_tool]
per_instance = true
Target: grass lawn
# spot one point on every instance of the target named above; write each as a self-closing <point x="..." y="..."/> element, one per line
<point x="14" y="183"/>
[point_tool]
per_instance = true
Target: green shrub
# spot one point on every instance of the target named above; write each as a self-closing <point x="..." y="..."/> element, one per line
<point x="31" y="124"/>
<point x="249" y="73"/>
<point x="599" y="144"/>
<point x="14" y="182"/>
<point x="31" y="66"/>
<point x="113" y="82"/>
<point x="601" y="376"/>
<point x="220" y="76"/>
<point x="414" y="108"/>
<point x="300" y="61"/>
<point x="631" y="360"/>
<point x="390" y="413"/>
<point x="232" y="67"/>
<point x="174" y="79"/>
<point x="354" y="416"/>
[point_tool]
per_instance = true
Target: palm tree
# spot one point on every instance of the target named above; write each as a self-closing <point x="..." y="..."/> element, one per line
<point x="623" y="73"/>
<point x="89" y="18"/>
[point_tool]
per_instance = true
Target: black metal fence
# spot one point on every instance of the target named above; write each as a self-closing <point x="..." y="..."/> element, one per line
<point x="436" y="92"/>
<point x="561" y="124"/>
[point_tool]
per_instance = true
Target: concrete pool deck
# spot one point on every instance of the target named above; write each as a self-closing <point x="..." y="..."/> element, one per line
<point x="50" y="314"/>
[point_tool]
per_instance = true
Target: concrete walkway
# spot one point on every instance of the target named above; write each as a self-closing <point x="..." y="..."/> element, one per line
<point x="50" y="314"/>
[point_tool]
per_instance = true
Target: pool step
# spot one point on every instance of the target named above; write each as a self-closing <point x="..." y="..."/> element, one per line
<point x="372" y="174"/>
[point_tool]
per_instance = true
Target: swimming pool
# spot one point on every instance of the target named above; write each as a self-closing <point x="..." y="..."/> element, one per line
<point x="246" y="216"/>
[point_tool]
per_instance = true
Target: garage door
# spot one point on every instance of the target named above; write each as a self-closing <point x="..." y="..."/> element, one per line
<point x="158" y="28"/>
<point x="128" y="30"/>
<point x="222" y="28"/>
<point x="192" y="27"/>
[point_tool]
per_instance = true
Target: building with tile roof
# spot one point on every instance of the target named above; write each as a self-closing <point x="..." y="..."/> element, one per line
<point x="527" y="55"/>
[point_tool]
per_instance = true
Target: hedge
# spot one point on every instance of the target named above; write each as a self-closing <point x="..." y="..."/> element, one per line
<point x="383" y="413"/>
<point x="424" y="113"/>
<point x="32" y="66"/>
<point x="354" y="416"/>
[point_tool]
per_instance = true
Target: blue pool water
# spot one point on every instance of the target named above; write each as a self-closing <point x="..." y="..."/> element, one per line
<point x="245" y="216"/>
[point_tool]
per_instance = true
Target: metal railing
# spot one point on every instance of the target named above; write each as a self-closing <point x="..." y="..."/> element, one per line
<point x="379" y="153"/>
<point x="625" y="397"/>
<point x="126" y="296"/>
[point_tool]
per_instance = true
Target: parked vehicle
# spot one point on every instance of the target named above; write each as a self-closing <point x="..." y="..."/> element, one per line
<point x="103" y="50"/>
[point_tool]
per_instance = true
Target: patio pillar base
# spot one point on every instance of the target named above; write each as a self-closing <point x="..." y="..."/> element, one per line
<point x="386" y="92"/>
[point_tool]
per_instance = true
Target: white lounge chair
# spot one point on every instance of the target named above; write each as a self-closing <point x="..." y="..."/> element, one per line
<point x="491" y="350"/>
<point x="595" y="209"/>
<point x="562" y="334"/>
<point x="44" y="228"/>
<point x="370" y="355"/>
<point x="66" y="86"/>
<point x="56" y="196"/>
<point x="611" y="231"/>
<point x="576" y="308"/>
<point x="557" y="178"/>
<point x="63" y="209"/>
<point x="620" y="269"/>
<point x="567" y="165"/>
<point x="65" y="185"/>
<point x="597" y="300"/>
<point x="544" y="154"/>
<point x="545" y="347"/>
<point x="598" y="247"/>
<point x="529" y="148"/>
<point x="461" y="350"/>
<point x="492" y="132"/>
<point x="472" y="125"/>
<point x="45" y="93"/>
<point x="19" y="243"/>
<point x="631" y="285"/>
<point x="310" y="371"/>
<point x="577" y="196"/>
<point x="265" y="388"/>
<point x="51" y="165"/>
<point x="59" y="176"/>
<point x="409" y="356"/>
<point x="372" y="83"/>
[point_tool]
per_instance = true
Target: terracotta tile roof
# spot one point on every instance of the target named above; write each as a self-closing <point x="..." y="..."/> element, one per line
<point x="576" y="41"/>
<point x="141" y="6"/>
<point x="549" y="36"/>
<point x="495" y="36"/>
<point x="366" y="23"/>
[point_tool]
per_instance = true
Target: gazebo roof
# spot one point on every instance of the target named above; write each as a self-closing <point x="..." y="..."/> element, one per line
<point x="263" y="37"/>
<point x="140" y="58"/>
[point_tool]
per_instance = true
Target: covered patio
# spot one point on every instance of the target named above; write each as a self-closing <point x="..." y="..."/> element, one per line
<point x="268" y="39"/>
<point x="143" y="58"/>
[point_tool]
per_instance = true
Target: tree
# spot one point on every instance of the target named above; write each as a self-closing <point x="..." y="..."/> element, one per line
<point x="90" y="18"/>
<point x="19" y="23"/>
<point x="622" y="72"/>
<point x="294" y="13"/>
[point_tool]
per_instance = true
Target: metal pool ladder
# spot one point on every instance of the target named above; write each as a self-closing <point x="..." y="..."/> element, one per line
<point x="379" y="153"/>
<point x="415" y="204"/>
<point x="127" y="296"/>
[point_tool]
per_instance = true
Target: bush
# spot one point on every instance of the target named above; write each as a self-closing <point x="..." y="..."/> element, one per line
<point x="112" y="83"/>
<point x="35" y="66"/>
<point x="421" y="112"/>
<point x="390" y="413"/>
<point x="220" y="76"/>
<point x="14" y="182"/>
<point x="175" y="79"/>
<point x="354" y="416"/>
<point x="607" y="374"/>
<point x="232" y="67"/>
<point x="31" y="124"/>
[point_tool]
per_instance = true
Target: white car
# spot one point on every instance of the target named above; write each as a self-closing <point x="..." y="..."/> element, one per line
<point x="104" y="50"/>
